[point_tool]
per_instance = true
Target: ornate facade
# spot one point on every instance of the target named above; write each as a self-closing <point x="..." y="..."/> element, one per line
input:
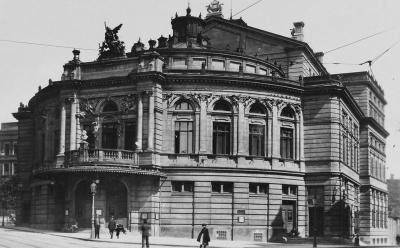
<point x="220" y="123"/>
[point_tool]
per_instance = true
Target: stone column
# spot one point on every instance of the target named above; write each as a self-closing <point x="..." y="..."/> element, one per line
<point x="242" y="138"/>
<point x="62" y="129"/>
<point x="72" y="142"/>
<point x="275" y="133"/>
<point x="139" y="123"/>
<point x="150" y="135"/>
<point x="203" y="125"/>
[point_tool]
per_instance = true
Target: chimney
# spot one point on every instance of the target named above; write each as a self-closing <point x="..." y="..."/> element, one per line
<point x="297" y="31"/>
<point x="320" y="57"/>
<point x="392" y="176"/>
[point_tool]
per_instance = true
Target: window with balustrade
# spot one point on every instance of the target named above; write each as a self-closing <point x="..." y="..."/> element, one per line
<point x="130" y="136"/>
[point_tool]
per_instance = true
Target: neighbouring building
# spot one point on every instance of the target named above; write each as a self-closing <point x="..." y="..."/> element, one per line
<point x="220" y="123"/>
<point x="8" y="148"/>
<point x="8" y="159"/>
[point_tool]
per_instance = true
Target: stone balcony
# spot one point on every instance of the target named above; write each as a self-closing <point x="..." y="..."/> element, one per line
<point x="101" y="156"/>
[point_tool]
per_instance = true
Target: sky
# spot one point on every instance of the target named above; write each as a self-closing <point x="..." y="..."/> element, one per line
<point x="80" y="24"/>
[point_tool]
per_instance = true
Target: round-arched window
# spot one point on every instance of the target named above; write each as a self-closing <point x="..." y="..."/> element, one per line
<point x="287" y="112"/>
<point x="183" y="105"/>
<point x="222" y="105"/>
<point x="110" y="106"/>
<point x="257" y="108"/>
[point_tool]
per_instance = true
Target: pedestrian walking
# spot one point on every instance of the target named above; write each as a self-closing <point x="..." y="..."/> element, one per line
<point x="145" y="234"/>
<point x="97" y="227"/>
<point x="204" y="237"/>
<point x="111" y="226"/>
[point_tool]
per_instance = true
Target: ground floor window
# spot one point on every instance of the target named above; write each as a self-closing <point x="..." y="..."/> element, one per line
<point x="222" y="187"/>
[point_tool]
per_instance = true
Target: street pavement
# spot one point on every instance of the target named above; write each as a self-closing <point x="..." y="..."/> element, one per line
<point x="19" y="237"/>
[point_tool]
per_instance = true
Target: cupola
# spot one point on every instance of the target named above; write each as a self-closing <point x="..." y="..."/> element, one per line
<point x="187" y="28"/>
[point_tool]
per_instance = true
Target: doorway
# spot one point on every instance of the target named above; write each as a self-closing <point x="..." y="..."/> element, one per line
<point x="289" y="216"/>
<point x="111" y="199"/>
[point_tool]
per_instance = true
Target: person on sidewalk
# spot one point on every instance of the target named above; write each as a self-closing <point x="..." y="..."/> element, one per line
<point x="111" y="226"/>
<point x="145" y="233"/>
<point x="120" y="228"/>
<point x="97" y="227"/>
<point x="204" y="237"/>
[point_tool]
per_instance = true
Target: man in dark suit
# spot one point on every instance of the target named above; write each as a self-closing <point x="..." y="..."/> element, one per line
<point x="97" y="227"/>
<point x="204" y="237"/>
<point x="111" y="226"/>
<point x="145" y="234"/>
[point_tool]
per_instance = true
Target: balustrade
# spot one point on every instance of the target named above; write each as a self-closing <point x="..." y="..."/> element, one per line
<point x="121" y="157"/>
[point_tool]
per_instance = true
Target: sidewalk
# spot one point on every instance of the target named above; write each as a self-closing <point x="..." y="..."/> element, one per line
<point x="130" y="238"/>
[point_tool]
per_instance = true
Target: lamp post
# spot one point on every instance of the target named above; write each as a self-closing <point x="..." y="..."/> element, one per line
<point x="93" y="191"/>
<point x="315" y="221"/>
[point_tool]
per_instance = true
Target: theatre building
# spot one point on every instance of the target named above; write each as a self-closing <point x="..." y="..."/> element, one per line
<point x="218" y="123"/>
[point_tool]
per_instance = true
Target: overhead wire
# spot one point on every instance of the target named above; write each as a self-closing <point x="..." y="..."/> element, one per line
<point x="353" y="42"/>
<point x="251" y="5"/>
<point x="46" y="45"/>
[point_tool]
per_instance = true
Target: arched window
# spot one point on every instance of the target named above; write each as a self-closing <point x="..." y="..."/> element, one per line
<point x="257" y="108"/>
<point x="110" y="106"/>
<point x="184" y="128"/>
<point x="257" y="130"/>
<point x="287" y="143"/>
<point x="183" y="105"/>
<point x="222" y="105"/>
<point x="222" y="130"/>
<point x="287" y="112"/>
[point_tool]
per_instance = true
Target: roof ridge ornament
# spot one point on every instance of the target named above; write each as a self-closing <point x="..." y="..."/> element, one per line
<point x="214" y="9"/>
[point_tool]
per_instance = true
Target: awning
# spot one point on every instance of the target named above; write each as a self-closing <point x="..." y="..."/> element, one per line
<point x="99" y="169"/>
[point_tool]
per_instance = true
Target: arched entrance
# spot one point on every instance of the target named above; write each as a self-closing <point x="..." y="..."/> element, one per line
<point x="110" y="200"/>
<point x="83" y="205"/>
<point x="116" y="195"/>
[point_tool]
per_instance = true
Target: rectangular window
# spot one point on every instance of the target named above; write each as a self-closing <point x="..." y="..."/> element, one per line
<point x="250" y="69"/>
<point x="256" y="140"/>
<point x="222" y="187"/>
<point x="221" y="138"/>
<point x="179" y="62"/>
<point x="197" y="62"/>
<point x="182" y="186"/>
<point x="344" y="147"/>
<point x="234" y="66"/>
<point x="130" y="136"/>
<point x="56" y="142"/>
<point x="6" y="169"/>
<point x="218" y="64"/>
<point x="7" y="149"/>
<point x="287" y="143"/>
<point x="258" y="188"/>
<point x="109" y="139"/>
<point x="262" y="71"/>
<point x="289" y="190"/>
<point x="183" y="137"/>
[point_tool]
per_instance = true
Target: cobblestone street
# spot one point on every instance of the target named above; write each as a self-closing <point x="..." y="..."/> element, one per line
<point x="30" y="238"/>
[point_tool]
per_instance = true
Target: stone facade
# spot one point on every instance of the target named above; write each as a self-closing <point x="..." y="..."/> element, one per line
<point x="221" y="124"/>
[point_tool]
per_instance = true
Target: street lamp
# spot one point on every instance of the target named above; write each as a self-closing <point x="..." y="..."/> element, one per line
<point x="315" y="221"/>
<point x="93" y="191"/>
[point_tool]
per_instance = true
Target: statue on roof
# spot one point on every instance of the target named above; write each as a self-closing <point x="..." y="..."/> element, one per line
<point x="111" y="46"/>
<point x="214" y="7"/>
